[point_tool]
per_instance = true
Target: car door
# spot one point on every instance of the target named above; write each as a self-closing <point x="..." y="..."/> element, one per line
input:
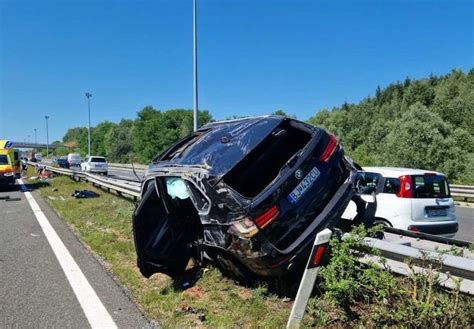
<point x="166" y="227"/>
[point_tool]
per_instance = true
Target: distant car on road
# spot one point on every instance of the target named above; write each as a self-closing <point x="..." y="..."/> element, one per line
<point x="408" y="199"/>
<point x="62" y="162"/>
<point x="74" y="159"/>
<point x="38" y="157"/>
<point x="95" y="164"/>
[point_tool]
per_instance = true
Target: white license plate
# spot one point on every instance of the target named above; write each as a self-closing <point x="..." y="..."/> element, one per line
<point x="303" y="186"/>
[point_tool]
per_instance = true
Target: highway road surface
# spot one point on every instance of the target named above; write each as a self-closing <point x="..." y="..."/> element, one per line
<point x="48" y="278"/>
<point x="466" y="224"/>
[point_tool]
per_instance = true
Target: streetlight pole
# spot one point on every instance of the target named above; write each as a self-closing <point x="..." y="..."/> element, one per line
<point x="89" y="95"/>
<point x="36" y="142"/>
<point x="195" y="119"/>
<point x="47" y="136"/>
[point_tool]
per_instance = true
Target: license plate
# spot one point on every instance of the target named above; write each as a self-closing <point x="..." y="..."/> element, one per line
<point x="436" y="212"/>
<point x="303" y="186"/>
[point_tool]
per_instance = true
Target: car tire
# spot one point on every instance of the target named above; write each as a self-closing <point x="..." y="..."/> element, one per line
<point x="383" y="222"/>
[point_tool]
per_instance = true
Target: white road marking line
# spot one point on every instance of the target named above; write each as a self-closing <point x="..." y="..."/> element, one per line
<point x="93" y="308"/>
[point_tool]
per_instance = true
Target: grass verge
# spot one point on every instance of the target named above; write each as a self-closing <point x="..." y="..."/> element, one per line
<point x="349" y="294"/>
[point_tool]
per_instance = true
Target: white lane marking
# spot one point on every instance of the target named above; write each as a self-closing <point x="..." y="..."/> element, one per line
<point x="93" y="308"/>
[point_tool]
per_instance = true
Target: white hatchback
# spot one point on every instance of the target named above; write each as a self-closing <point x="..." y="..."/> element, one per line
<point x="95" y="164"/>
<point x="408" y="199"/>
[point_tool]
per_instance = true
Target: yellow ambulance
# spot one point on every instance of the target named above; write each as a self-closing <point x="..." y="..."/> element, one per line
<point x="10" y="168"/>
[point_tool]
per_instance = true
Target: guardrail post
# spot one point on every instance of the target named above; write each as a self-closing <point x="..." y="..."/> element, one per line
<point x="309" y="278"/>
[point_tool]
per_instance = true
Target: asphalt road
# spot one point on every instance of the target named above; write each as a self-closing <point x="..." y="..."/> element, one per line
<point x="34" y="290"/>
<point x="466" y="224"/>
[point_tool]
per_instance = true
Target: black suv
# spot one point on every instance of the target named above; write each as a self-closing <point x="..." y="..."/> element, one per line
<point x="249" y="194"/>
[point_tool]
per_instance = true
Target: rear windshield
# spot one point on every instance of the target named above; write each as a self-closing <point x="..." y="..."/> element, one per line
<point x="262" y="165"/>
<point x="430" y="186"/>
<point x="3" y="159"/>
<point x="98" y="160"/>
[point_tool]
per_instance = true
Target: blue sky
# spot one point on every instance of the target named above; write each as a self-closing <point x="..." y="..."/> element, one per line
<point x="254" y="56"/>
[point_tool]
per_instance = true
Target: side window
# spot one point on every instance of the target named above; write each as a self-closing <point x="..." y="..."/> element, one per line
<point x="391" y="185"/>
<point x="87" y="159"/>
<point x="366" y="182"/>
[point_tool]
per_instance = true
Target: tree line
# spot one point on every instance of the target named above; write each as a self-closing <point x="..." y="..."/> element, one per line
<point x="426" y="123"/>
<point x="137" y="140"/>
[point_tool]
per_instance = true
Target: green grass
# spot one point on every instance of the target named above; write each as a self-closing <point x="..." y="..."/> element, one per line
<point x="348" y="295"/>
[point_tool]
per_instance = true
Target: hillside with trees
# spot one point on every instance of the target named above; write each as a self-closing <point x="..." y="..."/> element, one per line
<point x="427" y="123"/>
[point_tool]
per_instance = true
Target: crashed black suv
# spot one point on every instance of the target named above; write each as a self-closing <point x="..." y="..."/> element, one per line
<point x="249" y="194"/>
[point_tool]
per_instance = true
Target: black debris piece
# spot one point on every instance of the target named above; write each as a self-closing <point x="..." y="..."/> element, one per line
<point x="84" y="194"/>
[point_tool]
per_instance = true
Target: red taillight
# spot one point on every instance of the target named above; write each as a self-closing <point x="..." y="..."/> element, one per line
<point x="330" y="148"/>
<point x="267" y="217"/>
<point x="406" y="189"/>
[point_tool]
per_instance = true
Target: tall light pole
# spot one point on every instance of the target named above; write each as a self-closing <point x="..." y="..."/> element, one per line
<point x="195" y="121"/>
<point x="47" y="136"/>
<point x="36" y="142"/>
<point x="89" y="95"/>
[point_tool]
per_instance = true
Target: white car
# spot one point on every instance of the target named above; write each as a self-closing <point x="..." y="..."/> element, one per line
<point x="74" y="159"/>
<point x="408" y="199"/>
<point x="95" y="164"/>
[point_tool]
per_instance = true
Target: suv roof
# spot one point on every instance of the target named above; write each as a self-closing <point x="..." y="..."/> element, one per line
<point x="396" y="172"/>
<point x="219" y="146"/>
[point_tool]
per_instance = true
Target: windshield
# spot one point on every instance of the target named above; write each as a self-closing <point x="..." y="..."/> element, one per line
<point x="430" y="186"/>
<point x="3" y="159"/>
<point x="98" y="160"/>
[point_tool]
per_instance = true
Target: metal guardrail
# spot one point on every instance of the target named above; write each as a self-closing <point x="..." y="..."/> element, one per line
<point x="126" y="166"/>
<point x="121" y="187"/>
<point x="463" y="191"/>
<point x="454" y="271"/>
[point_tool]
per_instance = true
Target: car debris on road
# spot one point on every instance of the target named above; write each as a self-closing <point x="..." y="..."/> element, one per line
<point x="84" y="194"/>
<point x="248" y="194"/>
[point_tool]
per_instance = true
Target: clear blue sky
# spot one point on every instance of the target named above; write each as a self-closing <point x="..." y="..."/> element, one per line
<point x="255" y="56"/>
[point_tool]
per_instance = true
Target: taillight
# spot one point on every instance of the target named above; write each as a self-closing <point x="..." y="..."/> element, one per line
<point x="329" y="150"/>
<point x="267" y="217"/>
<point x="406" y="189"/>
<point x="247" y="228"/>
